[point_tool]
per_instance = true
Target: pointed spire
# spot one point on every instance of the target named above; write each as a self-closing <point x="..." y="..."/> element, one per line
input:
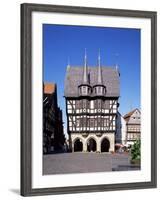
<point x="85" y="70"/>
<point x="85" y="57"/>
<point x="117" y="69"/>
<point x="99" y="69"/>
<point x="99" y="58"/>
<point x="68" y="61"/>
<point x="116" y="65"/>
<point x="68" y="66"/>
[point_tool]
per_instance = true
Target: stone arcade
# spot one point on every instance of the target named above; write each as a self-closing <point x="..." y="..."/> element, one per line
<point x="91" y="95"/>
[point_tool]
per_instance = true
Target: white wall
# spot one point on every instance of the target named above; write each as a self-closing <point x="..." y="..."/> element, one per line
<point x="10" y="98"/>
<point x="123" y="130"/>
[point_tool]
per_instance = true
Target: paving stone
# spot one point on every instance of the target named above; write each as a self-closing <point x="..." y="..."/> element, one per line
<point x="62" y="163"/>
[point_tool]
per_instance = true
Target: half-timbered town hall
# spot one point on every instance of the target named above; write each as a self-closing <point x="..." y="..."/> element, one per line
<point x="91" y="95"/>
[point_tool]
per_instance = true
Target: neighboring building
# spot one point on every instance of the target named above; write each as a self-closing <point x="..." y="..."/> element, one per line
<point x="120" y="130"/>
<point x="53" y="136"/>
<point x="133" y="126"/>
<point x="59" y="133"/>
<point x="92" y="95"/>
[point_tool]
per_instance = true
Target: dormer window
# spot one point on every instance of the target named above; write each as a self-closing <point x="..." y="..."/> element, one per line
<point x="99" y="90"/>
<point x="84" y="90"/>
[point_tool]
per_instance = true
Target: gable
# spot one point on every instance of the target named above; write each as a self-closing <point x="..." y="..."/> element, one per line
<point x="135" y="118"/>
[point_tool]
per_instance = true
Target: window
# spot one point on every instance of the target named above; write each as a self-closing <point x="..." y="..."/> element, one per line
<point x="99" y="90"/>
<point x="88" y="104"/>
<point x="107" y="104"/>
<point x="105" y="122"/>
<point x="95" y="103"/>
<point x="84" y="103"/>
<point x="91" y="122"/>
<point x="84" y="90"/>
<point x="84" y="122"/>
<point x="89" y="90"/>
<point x="78" y="122"/>
<point x="87" y="121"/>
<point x="99" y="104"/>
<point x="96" y="123"/>
<point x="77" y="104"/>
<point x="80" y="90"/>
<point x="99" y="122"/>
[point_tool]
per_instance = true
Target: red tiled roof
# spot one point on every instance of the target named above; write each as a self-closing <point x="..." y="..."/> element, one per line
<point x="49" y="88"/>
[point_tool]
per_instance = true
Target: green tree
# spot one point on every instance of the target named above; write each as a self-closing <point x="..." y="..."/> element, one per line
<point x="135" y="150"/>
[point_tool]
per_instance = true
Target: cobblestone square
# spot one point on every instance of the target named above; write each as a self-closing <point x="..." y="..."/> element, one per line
<point x="63" y="163"/>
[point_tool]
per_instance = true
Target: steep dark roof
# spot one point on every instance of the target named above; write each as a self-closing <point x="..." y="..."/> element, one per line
<point x="74" y="78"/>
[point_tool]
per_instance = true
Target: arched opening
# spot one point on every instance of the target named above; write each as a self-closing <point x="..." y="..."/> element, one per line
<point x="91" y="145"/>
<point x="78" y="146"/>
<point x="105" y="145"/>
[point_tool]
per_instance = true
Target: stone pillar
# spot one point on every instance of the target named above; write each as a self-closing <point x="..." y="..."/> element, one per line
<point x="84" y="145"/>
<point x="98" y="145"/>
<point x="112" y="142"/>
<point x="72" y="145"/>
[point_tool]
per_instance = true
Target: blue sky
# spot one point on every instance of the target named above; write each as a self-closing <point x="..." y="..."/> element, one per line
<point x="117" y="46"/>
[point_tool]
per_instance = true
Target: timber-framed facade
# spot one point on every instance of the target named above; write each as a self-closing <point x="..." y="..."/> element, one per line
<point x="91" y="95"/>
<point x="133" y="126"/>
